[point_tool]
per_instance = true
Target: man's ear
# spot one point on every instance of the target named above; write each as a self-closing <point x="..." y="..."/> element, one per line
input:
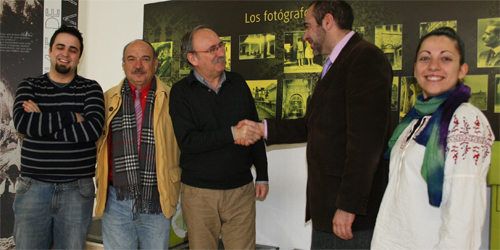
<point x="193" y="59"/>
<point x="328" y="21"/>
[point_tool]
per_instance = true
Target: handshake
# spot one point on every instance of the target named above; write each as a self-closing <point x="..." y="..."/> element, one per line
<point x="248" y="132"/>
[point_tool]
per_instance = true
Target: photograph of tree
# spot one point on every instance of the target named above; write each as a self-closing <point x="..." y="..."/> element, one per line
<point x="478" y="90"/>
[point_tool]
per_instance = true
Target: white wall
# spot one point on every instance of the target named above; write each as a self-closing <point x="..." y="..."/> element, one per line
<point x="108" y="25"/>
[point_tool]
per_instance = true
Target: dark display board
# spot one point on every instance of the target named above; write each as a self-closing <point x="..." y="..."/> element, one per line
<point x="263" y="43"/>
<point x="24" y="27"/>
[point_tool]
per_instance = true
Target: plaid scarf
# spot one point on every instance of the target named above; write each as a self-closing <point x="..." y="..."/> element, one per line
<point x="134" y="173"/>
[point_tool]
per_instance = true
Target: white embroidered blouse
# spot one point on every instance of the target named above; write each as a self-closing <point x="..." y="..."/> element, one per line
<point x="406" y="219"/>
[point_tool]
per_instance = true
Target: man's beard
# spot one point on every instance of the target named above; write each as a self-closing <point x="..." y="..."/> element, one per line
<point x="318" y="44"/>
<point x="62" y="69"/>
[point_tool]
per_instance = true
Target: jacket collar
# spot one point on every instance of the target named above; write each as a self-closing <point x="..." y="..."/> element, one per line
<point x="160" y="88"/>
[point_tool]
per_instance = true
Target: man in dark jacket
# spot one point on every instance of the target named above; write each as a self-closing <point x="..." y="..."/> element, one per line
<point x="346" y="128"/>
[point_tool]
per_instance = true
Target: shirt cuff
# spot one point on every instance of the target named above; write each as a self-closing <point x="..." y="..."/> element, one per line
<point x="262" y="182"/>
<point x="265" y="128"/>
<point x="232" y="132"/>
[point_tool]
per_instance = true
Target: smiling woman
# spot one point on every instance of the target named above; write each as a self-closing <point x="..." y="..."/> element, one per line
<point x="439" y="65"/>
<point x="439" y="158"/>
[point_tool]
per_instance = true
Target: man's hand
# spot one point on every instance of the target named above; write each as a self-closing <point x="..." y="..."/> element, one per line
<point x="257" y="128"/>
<point x="342" y="222"/>
<point x="246" y="135"/>
<point x="79" y="118"/>
<point x="261" y="190"/>
<point x="30" y="107"/>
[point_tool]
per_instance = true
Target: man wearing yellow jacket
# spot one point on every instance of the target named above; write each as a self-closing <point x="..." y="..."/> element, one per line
<point x="138" y="174"/>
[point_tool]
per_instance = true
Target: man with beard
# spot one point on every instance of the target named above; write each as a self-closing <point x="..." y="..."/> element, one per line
<point x="491" y="39"/>
<point x="218" y="194"/>
<point x="60" y="116"/>
<point x="346" y="128"/>
<point x="138" y="174"/>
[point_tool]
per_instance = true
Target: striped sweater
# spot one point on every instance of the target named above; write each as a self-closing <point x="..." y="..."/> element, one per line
<point x="57" y="148"/>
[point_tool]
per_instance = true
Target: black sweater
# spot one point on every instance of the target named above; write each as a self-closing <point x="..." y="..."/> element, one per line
<point x="202" y="122"/>
<point x="57" y="148"/>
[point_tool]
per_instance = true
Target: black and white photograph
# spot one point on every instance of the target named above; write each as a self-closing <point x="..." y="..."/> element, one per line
<point x="296" y="94"/>
<point x="426" y="27"/>
<point x="164" y="50"/>
<point x="299" y="57"/>
<point x="488" y="42"/>
<point x="360" y="30"/>
<point x="389" y="38"/>
<point x="264" y="95"/>
<point x="395" y="93"/>
<point x="227" y="46"/>
<point x="7" y="193"/>
<point x="409" y="92"/>
<point x="497" y="93"/>
<point x="257" y="46"/>
<point x="21" y="48"/>
<point x="478" y="90"/>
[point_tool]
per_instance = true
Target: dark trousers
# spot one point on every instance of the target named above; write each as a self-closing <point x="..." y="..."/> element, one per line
<point x="326" y="240"/>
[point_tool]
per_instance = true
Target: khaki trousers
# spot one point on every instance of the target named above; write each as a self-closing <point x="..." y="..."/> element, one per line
<point x="229" y="213"/>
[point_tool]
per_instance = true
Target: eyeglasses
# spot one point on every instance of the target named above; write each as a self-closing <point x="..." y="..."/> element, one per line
<point x="213" y="49"/>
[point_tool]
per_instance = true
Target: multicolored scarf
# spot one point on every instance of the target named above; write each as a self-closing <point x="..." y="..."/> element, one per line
<point x="433" y="136"/>
<point x="134" y="172"/>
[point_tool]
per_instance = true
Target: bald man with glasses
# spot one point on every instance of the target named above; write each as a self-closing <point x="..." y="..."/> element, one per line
<point x="218" y="192"/>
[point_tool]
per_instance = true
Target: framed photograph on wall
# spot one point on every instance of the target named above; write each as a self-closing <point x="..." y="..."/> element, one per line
<point x="257" y="46"/>
<point x="395" y="93"/>
<point x="227" y="46"/>
<point x="488" y="42"/>
<point x="497" y="93"/>
<point x="299" y="57"/>
<point x="426" y="27"/>
<point x="164" y="51"/>
<point x="409" y="92"/>
<point x="264" y="95"/>
<point x="478" y="90"/>
<point x="296" y="94"/>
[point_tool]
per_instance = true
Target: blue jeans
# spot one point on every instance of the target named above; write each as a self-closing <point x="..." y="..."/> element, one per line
<point x="58" y="212"/>
<point x="326" y="240"/>
<point x="123" y="228"/>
